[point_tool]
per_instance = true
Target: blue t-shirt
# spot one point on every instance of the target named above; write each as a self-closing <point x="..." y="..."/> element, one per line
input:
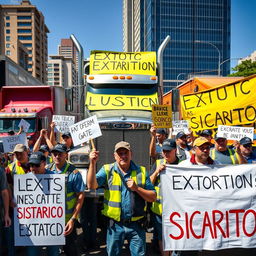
<point x="126" y="207"/>
<point x="251" y="158"/>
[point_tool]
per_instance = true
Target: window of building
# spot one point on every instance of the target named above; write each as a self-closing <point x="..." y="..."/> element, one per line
<point x="8" y="53"/>
<point x="8" y="31"/>
<point x="27" y="45"/>
<point x="25" y="37"/>
<point x="24" y="17"/>
<point x="8" y="38"/>
<point x="29" y="66"/>
<point x="7" y="17"/>
<point x="7" y="45"/>
<point x="26" y="31"/>
<point x="7" y="24"/>
<point x="24" y="24"/>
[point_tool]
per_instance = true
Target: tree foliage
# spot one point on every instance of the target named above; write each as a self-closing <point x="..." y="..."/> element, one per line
<point x="246" y="68"/>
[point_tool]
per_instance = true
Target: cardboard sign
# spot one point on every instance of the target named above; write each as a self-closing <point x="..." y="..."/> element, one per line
<point x="209" y="207"/>
<point x="162" y="116"/>
<point x="10" y="142"/>
<point x="231" y="104"/>
<point x="180" y="126"/>
<point x="85" y="130"/>
<point x="140" y="63"/>
<point x="62" y="123"/>
<point x="25" y="125"/>
<point x="39" y="218"/>
<point x="235" y="132"/>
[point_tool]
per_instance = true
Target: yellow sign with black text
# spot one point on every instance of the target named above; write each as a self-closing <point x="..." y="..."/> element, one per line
<point x="110" y="102"/>
<point x="231" y="104"/>
<point x="162" y="116"/>
<point x="136" y="63"/>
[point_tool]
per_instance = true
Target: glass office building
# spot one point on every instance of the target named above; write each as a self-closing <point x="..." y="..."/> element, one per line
<point x="199" y="31"/>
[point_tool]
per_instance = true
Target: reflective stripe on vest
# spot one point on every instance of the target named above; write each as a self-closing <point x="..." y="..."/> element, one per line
<point x="213" y="155"/>
<point x="112" y="194"/>
<point x="16" y="169"/>
<point x="157" y="207"/>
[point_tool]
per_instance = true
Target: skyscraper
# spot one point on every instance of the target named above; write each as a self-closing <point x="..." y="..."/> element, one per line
<point x="199" y="31"/>
<point x="23" y="37"/>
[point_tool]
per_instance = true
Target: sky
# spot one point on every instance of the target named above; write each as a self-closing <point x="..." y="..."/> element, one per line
<point x="97" y="24"/>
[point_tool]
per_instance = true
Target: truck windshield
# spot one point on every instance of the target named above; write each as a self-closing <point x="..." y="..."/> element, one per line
<point x="7" y="124"/>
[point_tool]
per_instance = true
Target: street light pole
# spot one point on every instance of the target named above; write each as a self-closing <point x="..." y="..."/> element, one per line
<point x="178" y="76"/>
<point x="213" y="45"/>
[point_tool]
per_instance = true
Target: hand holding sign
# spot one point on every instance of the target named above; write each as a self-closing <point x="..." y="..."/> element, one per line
<point x="24" y="124"/>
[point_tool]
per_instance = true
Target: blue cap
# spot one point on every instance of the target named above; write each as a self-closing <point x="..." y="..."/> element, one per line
<point x="245" y="141"/>
<point x="169" y="144"/>
<point x="60" y="148"/>
<point x="36" y="158"/>
<point x="180" y="134"/>
<point x="161" y="131"/>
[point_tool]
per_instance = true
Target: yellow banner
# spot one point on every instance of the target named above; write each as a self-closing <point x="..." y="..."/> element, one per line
<point x="108" y="102"/>
<point x="162" y="116"/>
<point x="136" y="63"/>
<point x="232" y="104"/>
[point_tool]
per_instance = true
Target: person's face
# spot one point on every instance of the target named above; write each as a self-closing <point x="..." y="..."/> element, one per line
<point x="221" y="144"/>
<point x="68" y="141"/>
<point x="182" y="141"/>
<point x="169" y="155"/>
<point x="59" y="158"/>
<point x="246" y="149"/>
<point x="123" y="158"/>
<point x="160" y="137"/>
<point x="21" y="156"/>
<point x="30" y="142"/>
<point x="202" y="152"/>
<point x="37" y="168"/>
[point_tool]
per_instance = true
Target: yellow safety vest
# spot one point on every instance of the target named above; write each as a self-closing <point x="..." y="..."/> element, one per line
<point x="15" y="168"/>
<point x="112" y="194"/>
<point x="157" y="207"/>
<point x="231" y="155"/>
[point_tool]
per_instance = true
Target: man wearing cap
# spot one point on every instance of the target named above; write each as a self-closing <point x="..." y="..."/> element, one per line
<point x="224" y="154"/>
<point x="74" y="194"/>
<point x="37" y="163"/>
<point x="207" y="134"/>
<point x="169" y="157"/>
<point x="183" y="150"/>
<point x="126" y="188"/>
<point x="46" y="151"/>
<point x="157" y="138"/>
<point x="247" y="150"/>
<point x="66" y="136"/>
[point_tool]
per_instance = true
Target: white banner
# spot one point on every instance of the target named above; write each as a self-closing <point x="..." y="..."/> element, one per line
<point x="180" y="126"/>
<point x="209" y="208"/>
<point x="85" y="130"/>
<point x="235" y="132"/>
<point x="39" y="218"/>
<point x="10" y="142"/>
<point x="62" y="123"/>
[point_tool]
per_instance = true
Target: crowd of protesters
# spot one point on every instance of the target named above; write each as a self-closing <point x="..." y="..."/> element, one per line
<point x="127" y="185"/>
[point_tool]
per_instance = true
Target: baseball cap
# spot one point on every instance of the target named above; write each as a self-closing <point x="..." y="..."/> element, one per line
<point x="44" y="148"/>
<point x="11" y="132"/>
<point x="19" y="148"/>
<point x="180" y="134"/>
<point x="122" y="144"/>
<point x="245" y="141"/>
<point x="206" y="133"/>
<point x="66" y="134"/>
<point x="200" y="141"/>
<point x="161" y="131"/>
<point x="218" y="137"/>
<point x="36" y="158"/>
<point x="169" y="144"/>
<point x="60" y="148"/>
<point x="29" y="137"/>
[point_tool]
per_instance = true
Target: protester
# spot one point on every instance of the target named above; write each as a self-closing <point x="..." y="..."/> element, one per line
<point x="190" y="138"/>
<point x="206" y="134"/>
<point x="226" y="155"/>
<point x="247" y="150"/>
<point x="37" y="162"/>
<point x="46" y="151"/>
<point x="74" y="194"/>
<point x="66" y="136"/>
<point x="157" y="138"/>
<point x="30" y="143"/>
<point x="169" y="157"/>
<point x="43" y="138"/>
<point x="182" y="146"/>
<point x="126" y="188"/>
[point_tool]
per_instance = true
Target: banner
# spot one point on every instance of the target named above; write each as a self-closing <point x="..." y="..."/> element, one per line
<point x="162" y="116"/>
<point x="39" y="218"/>
<point x="10" y="142"/>
<point x="180" y="126"/>
<point x="107" y="101"/>
<point x="235" y="132"/>
<point x="138" y="63"/>
<point x="62" y="122"/>
<point x="209" y="208"/>
<point x="85" y="130"/>
<point x="24" y="124"/>
<point x="232" y="104"/>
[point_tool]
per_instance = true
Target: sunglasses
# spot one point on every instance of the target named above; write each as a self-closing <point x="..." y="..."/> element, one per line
<point x="202" y="148"/>
<point x="35" y="165"/>
<point x="247" y="145"/>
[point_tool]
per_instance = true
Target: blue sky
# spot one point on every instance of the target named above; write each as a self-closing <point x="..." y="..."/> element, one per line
<point x="97" y="24"/>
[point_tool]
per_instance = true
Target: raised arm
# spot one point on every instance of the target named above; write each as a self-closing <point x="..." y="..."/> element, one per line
<point x="91" y="175"/>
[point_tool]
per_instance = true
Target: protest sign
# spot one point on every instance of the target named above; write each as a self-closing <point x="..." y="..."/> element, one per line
<point x="209" y="207"/>
<point x="235" y="132"/>
<point x="180" y="126"/>
<point x="85" y="130"/>
<point x="162" y="116"/>
<point x="10" y="142"/>
<point x="39" y="218"/>
<point x="24" y="124"/>
<point x="231" y="104"/>
<point x="62" y="123"/>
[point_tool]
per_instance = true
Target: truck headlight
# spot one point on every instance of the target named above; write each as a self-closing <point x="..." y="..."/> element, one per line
<point x="79" y="159"/>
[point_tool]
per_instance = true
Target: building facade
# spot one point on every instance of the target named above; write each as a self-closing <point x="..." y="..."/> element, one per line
<point x="199" y="31"/>
<point x="23" y="37"/>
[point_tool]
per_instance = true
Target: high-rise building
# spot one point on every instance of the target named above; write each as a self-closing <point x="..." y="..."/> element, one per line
<point x="23" y="37"/>
<point x="199" y="31"/>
